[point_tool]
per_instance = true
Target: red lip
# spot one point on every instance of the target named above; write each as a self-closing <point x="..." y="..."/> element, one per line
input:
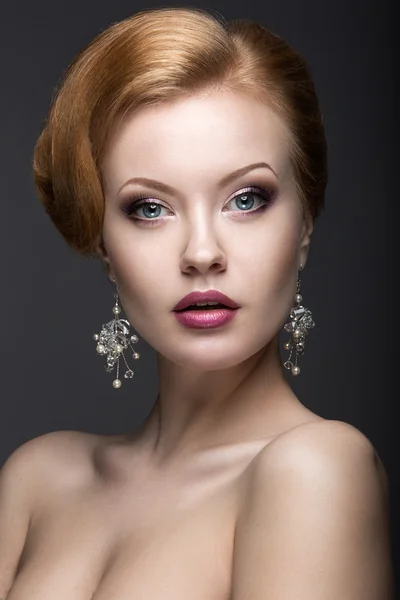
<point x="209" y="296"/>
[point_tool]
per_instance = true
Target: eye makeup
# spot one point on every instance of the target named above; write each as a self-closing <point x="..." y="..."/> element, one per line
<point x="265" y="198"/>
<point x="251" y="194"/>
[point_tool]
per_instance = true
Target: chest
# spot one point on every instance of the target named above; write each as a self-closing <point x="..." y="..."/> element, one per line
<point x="164" y="544"/>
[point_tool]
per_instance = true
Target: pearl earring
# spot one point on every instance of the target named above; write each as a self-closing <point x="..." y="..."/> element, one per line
<point x="113" y="339"/>
<point x="301" y="321"/>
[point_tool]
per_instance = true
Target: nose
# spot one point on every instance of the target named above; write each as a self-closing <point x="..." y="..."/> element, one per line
<point x="202" y="250"/>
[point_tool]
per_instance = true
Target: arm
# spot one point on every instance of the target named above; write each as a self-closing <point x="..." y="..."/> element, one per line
<point x="15" y="492"/>
<point x="314" y="522"/>
<point x="39" y="470"/>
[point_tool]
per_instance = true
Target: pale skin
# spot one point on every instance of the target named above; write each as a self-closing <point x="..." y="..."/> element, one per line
<point x="231" y="489"/>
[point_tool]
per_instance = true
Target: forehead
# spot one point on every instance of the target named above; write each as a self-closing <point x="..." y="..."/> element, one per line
<point x="199" y="136"/>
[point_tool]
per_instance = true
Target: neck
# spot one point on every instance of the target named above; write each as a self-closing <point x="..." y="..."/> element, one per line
<point x="197" y="410"/>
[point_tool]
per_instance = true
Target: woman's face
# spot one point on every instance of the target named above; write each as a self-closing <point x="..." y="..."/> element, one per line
<point x="197" y="226"/>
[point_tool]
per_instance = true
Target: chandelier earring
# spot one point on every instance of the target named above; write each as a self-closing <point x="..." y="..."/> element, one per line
<point x="300" y="322"/>
<point x="113" y="340"/>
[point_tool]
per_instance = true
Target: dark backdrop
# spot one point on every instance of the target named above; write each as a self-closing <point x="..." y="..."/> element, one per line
<point x="52" y="301"/>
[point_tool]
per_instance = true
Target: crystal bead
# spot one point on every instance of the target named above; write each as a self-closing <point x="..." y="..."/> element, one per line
<point x="308" y="322"/>
<point x="297" y="313"/>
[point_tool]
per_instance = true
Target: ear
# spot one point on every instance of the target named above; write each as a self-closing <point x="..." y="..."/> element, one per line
<point x="306" y="232"/>
<point x="101" y="253"/>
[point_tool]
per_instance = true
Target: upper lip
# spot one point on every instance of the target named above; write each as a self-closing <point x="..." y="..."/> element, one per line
<point x="209" y="296"/>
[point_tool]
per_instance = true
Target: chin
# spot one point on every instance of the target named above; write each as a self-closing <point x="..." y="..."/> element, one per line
<point x="210" y="359"/>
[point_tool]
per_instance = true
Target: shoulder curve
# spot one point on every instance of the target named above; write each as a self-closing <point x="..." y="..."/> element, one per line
<point x="327" y="458"/>
<point x="326" y="435"/>
<point x="328" y="448"/>
<point x="51" y="457"/>
<point x="314" y="503"/>
<point x="50" y="445"/>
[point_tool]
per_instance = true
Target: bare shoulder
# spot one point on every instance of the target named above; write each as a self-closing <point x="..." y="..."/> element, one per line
<point x="332" y="432"/>
<point x="37" y="471"/>
<point x="47" y="450"/>
<point x="51" y="459"/>
<point x="315" y="505"/>
<point x="329" y="448"/>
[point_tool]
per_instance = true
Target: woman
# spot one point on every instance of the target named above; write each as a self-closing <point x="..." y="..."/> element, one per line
<point x="189" y="155"/>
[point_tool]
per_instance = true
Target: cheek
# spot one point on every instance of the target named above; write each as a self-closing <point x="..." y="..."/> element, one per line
<point x="269" y="254"/>
<point x="139" y="276"/>
<point x="269" y="273"/>
<point x="141" y="267"/>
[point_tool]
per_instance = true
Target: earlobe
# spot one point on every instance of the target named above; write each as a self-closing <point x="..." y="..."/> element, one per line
<point x="108" y="270"/>
<point x="307" y="229"/>
<point x="103" y="256"/>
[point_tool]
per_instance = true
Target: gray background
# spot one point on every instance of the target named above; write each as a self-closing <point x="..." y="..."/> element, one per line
<point x="52" y="300"/>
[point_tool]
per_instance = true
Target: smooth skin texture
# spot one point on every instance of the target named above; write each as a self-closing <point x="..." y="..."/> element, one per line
<point x="231" y="489"/>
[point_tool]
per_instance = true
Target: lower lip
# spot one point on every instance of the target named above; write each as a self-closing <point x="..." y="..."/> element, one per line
<point x="206" y="319"/>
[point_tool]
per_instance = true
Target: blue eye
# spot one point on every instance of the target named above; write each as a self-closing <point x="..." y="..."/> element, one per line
<point x="150" y="210"/>
<point x="249" y="200"/>
<point x="246" y="200"/>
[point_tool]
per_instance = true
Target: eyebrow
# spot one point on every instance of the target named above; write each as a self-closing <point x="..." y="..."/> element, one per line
<point x="167" y="189"/>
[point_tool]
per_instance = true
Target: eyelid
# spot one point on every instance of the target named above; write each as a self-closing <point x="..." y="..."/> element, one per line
<point x="249" y="188"/>
<point x="268" y="193"/>
<point x="135" y="201"/>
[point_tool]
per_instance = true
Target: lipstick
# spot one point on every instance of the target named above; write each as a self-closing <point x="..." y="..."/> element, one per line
<point x="205" y="310"/>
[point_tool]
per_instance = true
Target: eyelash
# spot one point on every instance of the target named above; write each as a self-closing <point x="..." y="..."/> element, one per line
<point x="137" y="201"/>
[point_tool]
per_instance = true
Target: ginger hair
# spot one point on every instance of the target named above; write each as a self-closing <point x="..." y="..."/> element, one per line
<point x="155" y="56"/>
